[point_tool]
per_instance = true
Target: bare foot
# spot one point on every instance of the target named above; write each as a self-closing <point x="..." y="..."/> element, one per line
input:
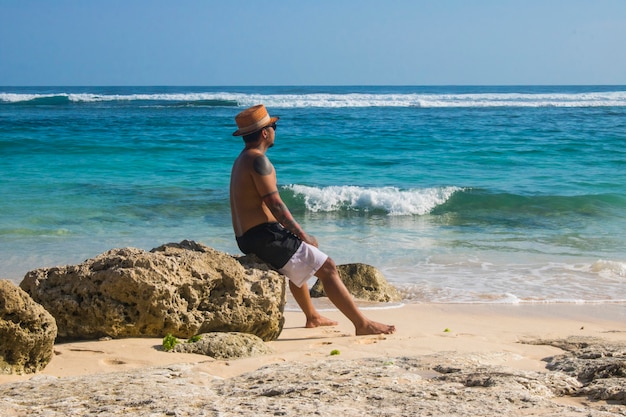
<point x="319" y="321"/>
<point x="372" y="327"/>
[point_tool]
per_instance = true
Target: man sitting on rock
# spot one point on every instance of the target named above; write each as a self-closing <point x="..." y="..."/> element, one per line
<point x="264" y="226"/>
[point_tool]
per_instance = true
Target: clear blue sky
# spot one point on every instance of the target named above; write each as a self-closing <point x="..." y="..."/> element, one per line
<point x="314" y="42"/>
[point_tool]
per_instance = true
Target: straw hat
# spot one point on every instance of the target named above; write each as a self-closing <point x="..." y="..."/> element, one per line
<point x="253" y="119"/>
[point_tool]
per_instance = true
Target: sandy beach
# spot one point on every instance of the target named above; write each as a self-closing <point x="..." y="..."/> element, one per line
<point x="488" y="335"/>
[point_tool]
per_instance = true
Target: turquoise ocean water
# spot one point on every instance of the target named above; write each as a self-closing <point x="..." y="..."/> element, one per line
<point x="458" y="194"/>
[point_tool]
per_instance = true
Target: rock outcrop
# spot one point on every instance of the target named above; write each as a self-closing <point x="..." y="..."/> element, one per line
<point x="443" y="384"/>
<point x="27" y="332"/>
<point x="598" y="365"/>
<point x="181" y="289"/>
<point x="364" y="282"/>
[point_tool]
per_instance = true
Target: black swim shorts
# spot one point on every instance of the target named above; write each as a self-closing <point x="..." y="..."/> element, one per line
<point x="271" y="242"/>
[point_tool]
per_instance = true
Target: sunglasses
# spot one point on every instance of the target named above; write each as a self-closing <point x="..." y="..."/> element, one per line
<point x="273" y="126"/>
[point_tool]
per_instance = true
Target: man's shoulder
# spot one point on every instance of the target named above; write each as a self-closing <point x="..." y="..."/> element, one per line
<point x="253" y="162"/>
<point x="250" y="155"/>
<point x="262" y="165"/>
<point x="245" y="157"/>
<point x="253" y="157"/>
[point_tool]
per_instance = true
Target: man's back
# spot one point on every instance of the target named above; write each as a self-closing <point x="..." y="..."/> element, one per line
<point x="246" y="185"/>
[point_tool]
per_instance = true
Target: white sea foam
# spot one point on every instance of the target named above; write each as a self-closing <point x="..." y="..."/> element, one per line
<point x="392" y="200"/>
<point x="327" y="100"/>
<point x="610" y="269"/>
<point x="453" y="278"/>
<point x="17" y="98"/>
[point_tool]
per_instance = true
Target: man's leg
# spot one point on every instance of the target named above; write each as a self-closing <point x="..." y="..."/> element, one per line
<point x="303" y="298"/>
<point x="340" y="297"/>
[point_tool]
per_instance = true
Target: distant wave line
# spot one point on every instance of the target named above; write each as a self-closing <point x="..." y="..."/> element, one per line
<point x="336" y="100"/>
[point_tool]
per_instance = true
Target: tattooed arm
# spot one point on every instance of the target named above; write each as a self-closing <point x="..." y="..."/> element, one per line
<point x="266" y="183"/>
<point x="284" y="217"/>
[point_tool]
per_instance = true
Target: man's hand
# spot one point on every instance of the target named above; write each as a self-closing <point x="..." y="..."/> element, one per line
<point x="310" y="239"/>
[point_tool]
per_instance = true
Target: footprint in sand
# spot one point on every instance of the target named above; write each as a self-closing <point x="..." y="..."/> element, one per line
<point x="122" y="362"/>
<point x="85" y="350"/>
<point x="113" y="362"/>
<point x="370" y="340"/>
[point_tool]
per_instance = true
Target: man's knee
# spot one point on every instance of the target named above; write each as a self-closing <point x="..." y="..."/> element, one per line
<point x="327" y="270"/>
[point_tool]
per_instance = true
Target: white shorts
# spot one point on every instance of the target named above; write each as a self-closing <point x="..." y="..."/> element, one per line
<point x="303" y="264"/>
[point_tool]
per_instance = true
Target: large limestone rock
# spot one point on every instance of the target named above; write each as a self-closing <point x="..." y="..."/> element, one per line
<point x="364" y="282"/>
<point x="27" y="332"/>
<point x="180" y="289"/>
